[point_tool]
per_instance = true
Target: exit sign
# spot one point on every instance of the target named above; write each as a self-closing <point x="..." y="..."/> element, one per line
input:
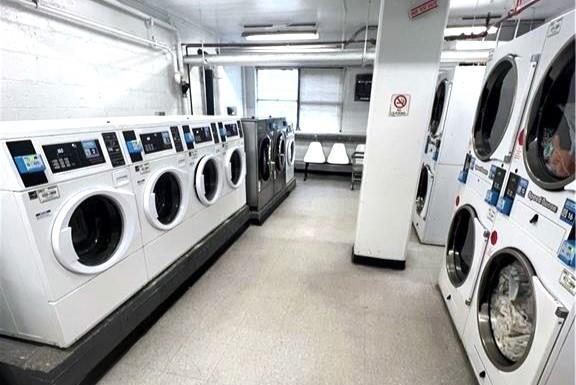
<point x="423" y="8"/>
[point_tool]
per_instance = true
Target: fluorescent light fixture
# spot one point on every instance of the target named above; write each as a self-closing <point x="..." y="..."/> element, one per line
<point x="281" y="36"/>
<point x="457" y="31"/>
<point x="464" y="56"/>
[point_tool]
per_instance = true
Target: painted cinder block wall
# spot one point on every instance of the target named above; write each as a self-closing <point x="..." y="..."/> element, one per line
<point x="53" y="69"/>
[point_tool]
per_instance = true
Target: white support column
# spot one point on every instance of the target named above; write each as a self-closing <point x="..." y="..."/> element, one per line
<point x="407" y="61"/>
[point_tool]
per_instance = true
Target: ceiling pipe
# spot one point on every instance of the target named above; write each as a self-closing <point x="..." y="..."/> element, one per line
<point x="310" y="59"/>
<point x="276" y="44"/>
<point x="497" y="23"/>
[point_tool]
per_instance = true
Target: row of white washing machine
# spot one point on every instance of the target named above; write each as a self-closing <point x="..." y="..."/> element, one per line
<point x="508" y="277"/>
<point x="92" y="210"/>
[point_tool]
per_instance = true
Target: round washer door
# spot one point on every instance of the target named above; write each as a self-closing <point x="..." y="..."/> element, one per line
<point x="438" y="107"/>
<point x="208" y="181"/>
<point x="94" y="230"/>
<point x="166" y="198"/>
<point x="495" y="108"/>
<point x="280" y="152"/>
<point x="264" y="169"/>
<point x="466" y="243"/>
<point x="291" y="155"/>
<point x="423" y="192"/>
<point x="507" y="308"/>
<point x="550" y="147"/>
<point x="235" y="163"/>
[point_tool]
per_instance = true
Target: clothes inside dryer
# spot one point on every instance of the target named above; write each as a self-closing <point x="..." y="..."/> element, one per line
<point x="96" y="226"/>
<point x="550" y="144"/>
<point x="437" y="108"/>
<point x="422" y="191"/>
<point x="507" y="308"/>
<point x="167" y="197"/>
<point x="495" y="108"/>
<point x="461" y="245"/>
<point x="264" y="160"/>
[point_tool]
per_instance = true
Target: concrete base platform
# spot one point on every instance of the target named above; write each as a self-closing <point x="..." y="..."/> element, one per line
<point x="258" y="217"/>
<point x="25" y="363"/>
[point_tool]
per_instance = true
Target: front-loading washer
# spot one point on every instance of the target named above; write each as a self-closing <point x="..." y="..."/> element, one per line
<point x="518" y="310"/>
<point x="509" y="74"/>
<point x="453" y="111"/>
<point x="71" y="249"/>
<point x="260" y="170"/>
<point x="277" y="129"/>
<point x="290" y="157"/>
<point x="234" y="164"/>
<point x="160" y="178"/>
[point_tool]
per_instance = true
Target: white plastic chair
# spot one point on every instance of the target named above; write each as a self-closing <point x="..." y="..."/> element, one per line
<point x="338" y="154"/>
<point x="314" y="154"/>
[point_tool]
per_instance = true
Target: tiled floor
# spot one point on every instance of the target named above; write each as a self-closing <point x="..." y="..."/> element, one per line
<point x="284" y="305"/>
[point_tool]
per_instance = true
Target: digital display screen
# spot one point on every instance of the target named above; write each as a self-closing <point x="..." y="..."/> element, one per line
<point x="70" y="156"/>
<point x="231" y="129"/>
<point x="28" y="164"/>
<point x="202" y="134"/>
<point x="156" y="141"/>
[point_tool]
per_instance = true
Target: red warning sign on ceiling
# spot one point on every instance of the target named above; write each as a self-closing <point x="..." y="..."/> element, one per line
<point x="423" y="8"/>
<point x="400" y="105"/>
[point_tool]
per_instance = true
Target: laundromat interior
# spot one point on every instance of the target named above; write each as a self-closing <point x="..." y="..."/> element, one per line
<point x="287" y="192"/>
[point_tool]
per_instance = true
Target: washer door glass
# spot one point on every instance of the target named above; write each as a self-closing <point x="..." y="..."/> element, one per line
<point x="210" y="173"/>
<point x="495" y="108"/>
<point x="96" y="226"/>
<point x="264" y="159"/>
<point x="422" y="190"/>
<point x="280" y="152"/>
<point x="437" y="108"/>
<point x="235" y="166"/>
<point x="550" y="146"/>
<point x="461" y="245"/>
<point x="507" y="309"/>
<point x="291" y="152"/>
<point x="167" y="197"/>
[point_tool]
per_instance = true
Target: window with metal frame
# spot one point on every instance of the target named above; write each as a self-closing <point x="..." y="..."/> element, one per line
<point x="321" y="99"/>
<point x="277" y="93"/>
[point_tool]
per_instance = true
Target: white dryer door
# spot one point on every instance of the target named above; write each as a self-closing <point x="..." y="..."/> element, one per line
<point x="166" y="198"/>
<point x="208" y="181"/>
<point x="235" y="166"/>
<point x="94" y="230"/>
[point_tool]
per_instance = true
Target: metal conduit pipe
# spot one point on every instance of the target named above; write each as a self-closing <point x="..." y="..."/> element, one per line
<point x="337" y="58"/>
<point x="283" y="59"/>
<point x="95" y="26"/>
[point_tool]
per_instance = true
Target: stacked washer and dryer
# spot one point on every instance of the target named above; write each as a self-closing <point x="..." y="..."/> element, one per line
<point x="269" y="164"/>
<point x="98" y="208"/>
<point x="455" y="99"/>
<point x="508" y="279"/>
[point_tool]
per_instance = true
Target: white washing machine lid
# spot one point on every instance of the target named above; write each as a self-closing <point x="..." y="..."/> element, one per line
<point x="235" y="177"/>
<point x="94" y="230"/>
<point x="173" y="203"/>
<point x="211" y="164"/>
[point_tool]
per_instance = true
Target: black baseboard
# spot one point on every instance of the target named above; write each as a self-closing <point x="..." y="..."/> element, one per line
<point x="28" y="363"/>
<point x="378" y="262"/>
<point x="258" y="217"/>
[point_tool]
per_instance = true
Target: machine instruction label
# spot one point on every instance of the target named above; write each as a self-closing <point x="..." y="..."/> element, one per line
<point x="48" y="194"/>
<point x="567" y="214"/>
<point x="399" y="105"/>
<point x="568" y="281"/>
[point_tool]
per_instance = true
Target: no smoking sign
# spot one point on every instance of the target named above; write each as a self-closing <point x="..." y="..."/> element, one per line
<point x="399" y="105"/>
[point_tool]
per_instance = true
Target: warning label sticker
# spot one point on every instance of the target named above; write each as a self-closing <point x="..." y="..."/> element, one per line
<point x="400" y="105"/>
